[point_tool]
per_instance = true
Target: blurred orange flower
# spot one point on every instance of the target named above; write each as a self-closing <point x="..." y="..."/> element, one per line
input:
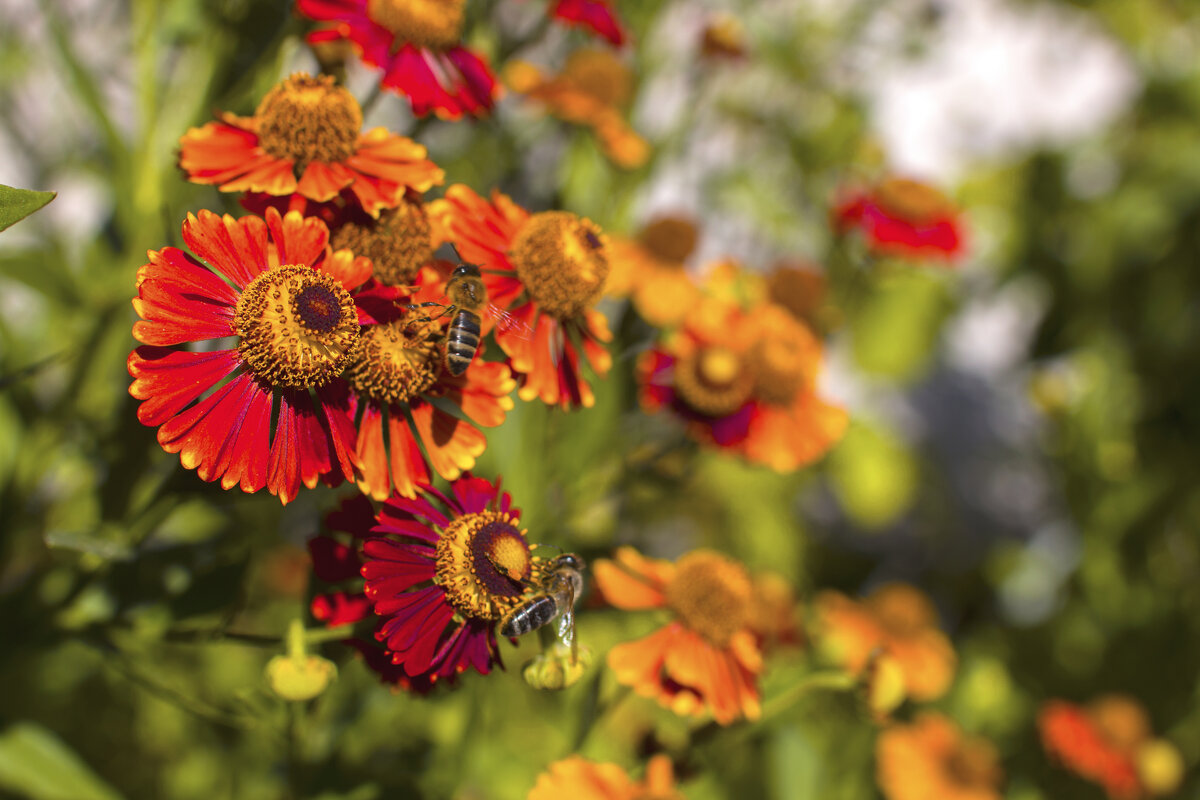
<point x="897" y="619"/>
<point x="707" y="658"/>
<point x="580" y="779"/>
<point x="744" y="382"/>
<point x="903" y="217"/>
<point x="548" y="269"/>
<point x="932" y="760"/>
<point x="801" y="289"/>
<point x="723" y="38"/>
<point x="650" y="269"/>
<point x="1109" y="742"/>
<point x="305" y="138"/>
<point x="592" y="90"/>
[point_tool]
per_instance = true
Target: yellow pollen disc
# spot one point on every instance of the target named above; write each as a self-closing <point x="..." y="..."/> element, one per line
<point x="299" y="327"/>
<point x="670" y="239"/>
<point x="484" y="565"/>
<point x="398" y="243"/>
<point x="435" y="24"/>
<point x="309" y="119"/>
<point x="713" y="380"/>
<point x="562" y="261"/>
<point x="601" y="75"/>
<point x="397" y="361"/>
<point x="712" y="594"/>
<point x="911" y="200"/>
<point x="782" y="357"/>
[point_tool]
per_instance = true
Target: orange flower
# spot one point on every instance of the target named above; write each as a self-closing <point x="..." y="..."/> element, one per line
<point x="707" y="658"/>
<point x="547" y="270"/>
<point x="580" y="779"/>
<point x="651" y="270"/>
<point x="903" y="217"/>
<point x="592" y="90"/>
<point x="305" y="139"/>
<point x="744" y="382"/>
<point x="1109" y="742"/>
<point x="396" y="380"/>
<point x="932" y="760"/>
<point x="897" y="619"/>
<point x="801" y="289"/>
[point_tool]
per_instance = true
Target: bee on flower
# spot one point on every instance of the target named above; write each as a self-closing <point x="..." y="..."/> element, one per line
<point x="546" y="270"/>
<point x="304" y="142"/>
<point x="440" y="572"/>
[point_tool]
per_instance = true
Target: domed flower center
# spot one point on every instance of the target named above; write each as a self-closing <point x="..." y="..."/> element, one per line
<point x="600" y="74"/>
<point x="973" y="765"/>
<point x="399" y="243"/>
<point x="670" y="239"/>
<point x="435" y="24"/>
<point x="782" y="357"/>
<point x="799" y="289"/>
<point x="299" y="327"/>
<point x="911" y="200"/>
<point x="562" y="261"/>
<point x="902" y="610"/>
<point x="713" y="380"/>
<point x="1121" y="721"/>
<point x="397" y="361"/>
<point x="484" y="564"/>
<point x="309" y="119"/>
<point x="711" y="594"/>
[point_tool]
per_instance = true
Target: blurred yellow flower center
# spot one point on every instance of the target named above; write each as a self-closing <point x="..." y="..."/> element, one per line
<point x="600" y="74"/>
<point x="309" y="119"/>
<point x="299" y="327"/>
<point x="1120" y="720"/>
<point x="911" y="200"/>
<point x="425" y="23"/>
<point x="713" y="380"/>
<point x="711" y="594"/>
<point x="901" y="610"/>
<point x="398" y="243"/>
<point x="397" y="361"/>
<point x="562" y="261"/>
<point x="484" y="564"/>
<point x="781" y="357"/>
<point x="670" y="239"/>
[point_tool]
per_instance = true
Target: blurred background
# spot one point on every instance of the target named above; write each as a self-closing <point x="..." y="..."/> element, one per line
<point x="1023" y="426"/>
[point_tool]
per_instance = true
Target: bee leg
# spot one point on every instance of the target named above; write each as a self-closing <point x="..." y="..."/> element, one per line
<point x="446" y="309"/>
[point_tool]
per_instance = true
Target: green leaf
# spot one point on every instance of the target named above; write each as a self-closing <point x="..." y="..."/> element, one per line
<point x="17" y="204"/>
<point x="37" y="764"/>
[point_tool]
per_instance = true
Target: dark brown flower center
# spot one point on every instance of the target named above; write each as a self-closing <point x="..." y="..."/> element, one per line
<point x="484" y="564"/>
<point x="435" y="24"/>
<point x="562" y="261"/>
<point x="670" y="239"/>
<point x="299" y="327"/>
<point x="309" y="119"/>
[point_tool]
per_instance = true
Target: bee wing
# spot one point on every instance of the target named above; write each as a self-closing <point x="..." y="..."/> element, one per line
<point x="507" y="324"/>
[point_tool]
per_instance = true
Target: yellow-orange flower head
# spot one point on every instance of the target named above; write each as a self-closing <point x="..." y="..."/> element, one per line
<point x="397" y="361"/>
<point x="711" y="594"/>
<point x="435" y="24"/>
<point x="562" y="261"/>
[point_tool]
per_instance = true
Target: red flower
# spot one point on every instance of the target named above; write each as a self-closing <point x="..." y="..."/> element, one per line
<point x="1098" y="743"/>
<point x="305" y="139"/>
<point x="215" y="407"/>
<point x="440" y="571"/>
<point x="595" y="15"/>
<point x="904" y="218"/>
<point x="416" y="44"/>
<point x="547" y="269"/>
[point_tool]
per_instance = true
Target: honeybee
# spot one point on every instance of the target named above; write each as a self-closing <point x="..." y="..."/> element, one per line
<point x="554" y="597"/>
<point x="468" y="303"/>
